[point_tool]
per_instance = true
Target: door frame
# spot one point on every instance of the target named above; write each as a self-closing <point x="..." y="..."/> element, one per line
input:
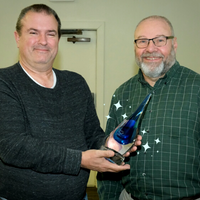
<point x="100" y="83"/>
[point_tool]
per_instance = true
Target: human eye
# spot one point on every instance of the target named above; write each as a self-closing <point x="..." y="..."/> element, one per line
<point x="33" y="32"/>
<point x="51" y="33"/>
<point x="160" y="39"/>
<point x="142" y="41"/>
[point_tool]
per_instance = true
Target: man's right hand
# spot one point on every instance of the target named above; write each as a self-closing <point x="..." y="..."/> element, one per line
<point x="95" y="160"/>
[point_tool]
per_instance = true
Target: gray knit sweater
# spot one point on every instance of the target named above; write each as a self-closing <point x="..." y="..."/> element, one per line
<point x="42" y="134"/>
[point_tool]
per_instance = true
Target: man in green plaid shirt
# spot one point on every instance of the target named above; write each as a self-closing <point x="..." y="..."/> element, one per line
<point x="167" y="166"/>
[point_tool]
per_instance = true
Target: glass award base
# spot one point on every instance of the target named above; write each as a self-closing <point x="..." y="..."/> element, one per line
<point x="117" y="158"/>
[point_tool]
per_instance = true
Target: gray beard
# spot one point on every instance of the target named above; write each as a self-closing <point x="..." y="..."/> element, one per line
<point x="152" y="70"/>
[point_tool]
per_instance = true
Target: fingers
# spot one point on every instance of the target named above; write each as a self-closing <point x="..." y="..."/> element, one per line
<point x="96" y="160"/>
<point x="112" y="167"/>
<point x="109" y="166"/>
<point x="121" y="168"/>
<point x="139" y="138"/>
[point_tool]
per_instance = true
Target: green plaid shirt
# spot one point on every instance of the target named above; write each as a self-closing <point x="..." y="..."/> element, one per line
<point x="167" y="165"/>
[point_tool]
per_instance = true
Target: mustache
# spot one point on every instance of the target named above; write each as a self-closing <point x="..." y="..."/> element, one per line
<point x="154" y="54"/>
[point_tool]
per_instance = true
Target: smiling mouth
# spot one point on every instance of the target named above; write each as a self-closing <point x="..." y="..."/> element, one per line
<point x="152" y="58"/>
<point x="41" y="49"/>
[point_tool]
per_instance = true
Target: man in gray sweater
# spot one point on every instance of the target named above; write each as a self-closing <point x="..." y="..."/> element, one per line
<point x="48" y="123"/>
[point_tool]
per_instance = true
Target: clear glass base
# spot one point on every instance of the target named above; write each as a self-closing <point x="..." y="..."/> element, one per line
<point x="117" y="158"/>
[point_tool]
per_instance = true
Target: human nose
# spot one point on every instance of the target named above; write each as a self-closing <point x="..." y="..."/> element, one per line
<point x="42" y="39"/>
<point x="151" y="46"/>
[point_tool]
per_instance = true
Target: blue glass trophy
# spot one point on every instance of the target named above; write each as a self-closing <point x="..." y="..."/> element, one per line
<point x="125" y="134"/>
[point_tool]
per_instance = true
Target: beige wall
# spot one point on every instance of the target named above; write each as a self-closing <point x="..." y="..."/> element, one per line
<point x="120" y="17"/>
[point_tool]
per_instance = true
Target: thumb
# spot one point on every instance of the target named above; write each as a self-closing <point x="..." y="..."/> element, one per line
<point x="108" y="153"/>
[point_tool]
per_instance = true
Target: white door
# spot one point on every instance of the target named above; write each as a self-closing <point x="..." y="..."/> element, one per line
<point x="81" y="57"/>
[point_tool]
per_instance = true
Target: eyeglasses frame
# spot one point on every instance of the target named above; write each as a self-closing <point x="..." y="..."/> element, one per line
<point x="167" y="37"/>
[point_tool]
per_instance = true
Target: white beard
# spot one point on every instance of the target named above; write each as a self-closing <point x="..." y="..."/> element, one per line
<point x="151" y="70"/>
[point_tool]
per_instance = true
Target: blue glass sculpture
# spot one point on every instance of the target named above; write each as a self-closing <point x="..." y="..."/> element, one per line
<point x="126" y="133"/>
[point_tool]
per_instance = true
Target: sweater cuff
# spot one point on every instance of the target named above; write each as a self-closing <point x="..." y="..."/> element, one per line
<point x="72" y="162"/>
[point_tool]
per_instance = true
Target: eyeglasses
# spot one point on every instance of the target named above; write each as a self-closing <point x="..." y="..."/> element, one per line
<point x="158" y="41"/>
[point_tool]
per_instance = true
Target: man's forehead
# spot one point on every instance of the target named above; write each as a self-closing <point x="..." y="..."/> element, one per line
<point x="152" y="27"/>
<point x="34" y="18"/>
<point x="31" y="14"/>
